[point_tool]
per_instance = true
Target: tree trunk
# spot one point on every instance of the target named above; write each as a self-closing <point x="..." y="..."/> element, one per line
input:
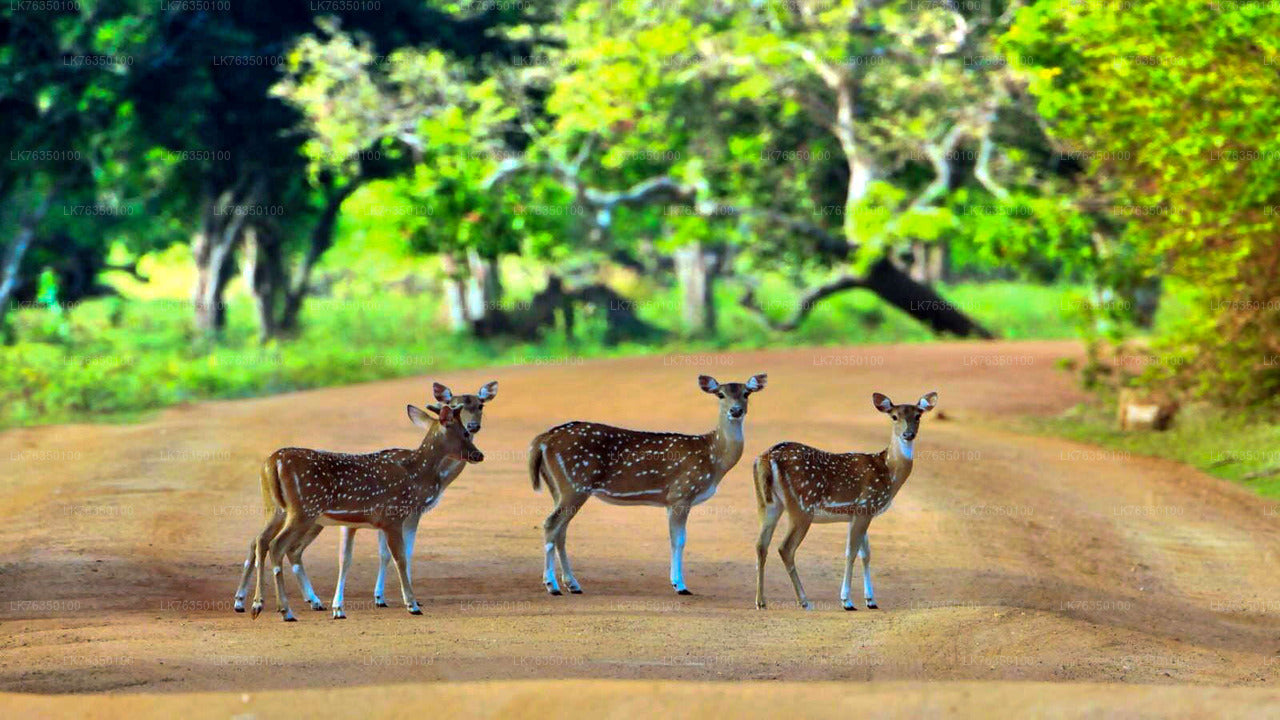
<point x="321" y="240"/>
<point x="264" y="275"/>
<point x="211" y="250"/>
<point x="454" y="293"/>
<point x="695" y="268"/>
<point x="920" y="301"/>
<point x="18" y="249"/>
<point x="894" y="286"/>
<point x="221" y="229"/>
<point x="940" y="261"/>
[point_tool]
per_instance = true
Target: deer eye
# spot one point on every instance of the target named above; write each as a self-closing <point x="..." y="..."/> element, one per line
<point x="893" y="415"/>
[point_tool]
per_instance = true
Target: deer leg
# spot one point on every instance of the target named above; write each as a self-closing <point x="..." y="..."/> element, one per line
<point x="795" y="535"/>
<point x="384" y="559"/>
<point x="295" y="527"/>
<point x="550" y="530"/>
<point x="300" y="572"/>
<point x="769" y="515"/>
<point x="572" y="506"/>
<point x="249" y="562"/>
<point x="851" y="547"/>
<point x="677" y="517"/>
<point x="864" y="552"/>
<point x="346" y="546"/>
<point x="410" y="538"/>
<point x="396" y="544"/>
<point x="274" y="522"/>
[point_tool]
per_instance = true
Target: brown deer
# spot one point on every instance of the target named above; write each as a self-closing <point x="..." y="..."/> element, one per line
<point x="470" y="410"/>
<point x="303" y="489"/>
<point x="817" y="486"/>
<point x="579" y="460"/>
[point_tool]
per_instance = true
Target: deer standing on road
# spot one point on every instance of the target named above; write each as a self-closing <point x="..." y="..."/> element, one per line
<point x="817" y="486"/>
<point x="579" y="460"/>
<point x="386" y="490"/>
<point x="470" y="411"/>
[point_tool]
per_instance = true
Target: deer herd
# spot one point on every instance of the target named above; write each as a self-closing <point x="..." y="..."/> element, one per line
<point x="305" y="490"/>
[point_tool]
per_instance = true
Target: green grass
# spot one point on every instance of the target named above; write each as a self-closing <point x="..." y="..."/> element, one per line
<point x="114" y="358"/>
<point x="1232" y="446"/>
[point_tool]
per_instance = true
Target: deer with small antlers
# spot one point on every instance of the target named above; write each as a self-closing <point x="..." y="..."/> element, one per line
<point x="470" y="412"/>
<point x="817" y="486"/>
<point x="387" y="490"/>
<point x="579" y="460"/>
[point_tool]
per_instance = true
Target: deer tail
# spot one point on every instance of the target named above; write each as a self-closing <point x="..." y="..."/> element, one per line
<point x="535" y="463"/>
<point x="764" y="482"/>
<point x="272" y="496"/>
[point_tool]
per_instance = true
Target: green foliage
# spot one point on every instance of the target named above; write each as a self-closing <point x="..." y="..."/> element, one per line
<point x="1174" y="107"/>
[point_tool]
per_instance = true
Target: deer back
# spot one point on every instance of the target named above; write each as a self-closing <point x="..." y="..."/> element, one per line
<point x="370" y="488"/>
<point x="816" y="481"/>
<point x="629" y="465"/>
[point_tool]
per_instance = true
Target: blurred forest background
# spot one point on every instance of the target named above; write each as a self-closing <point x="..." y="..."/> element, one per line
<point x="219" y="198"/>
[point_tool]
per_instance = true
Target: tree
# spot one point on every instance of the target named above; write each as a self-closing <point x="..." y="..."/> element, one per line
<point x="65" y="126"/>
<point x="201" y="89"/>
<point x="1174" y="108"/>
<point x="890" y="90"/>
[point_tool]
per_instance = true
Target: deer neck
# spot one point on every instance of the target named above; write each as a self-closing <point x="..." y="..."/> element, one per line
<point x="899" y="458"/>
<point x="726" y="443"/>
<point x="429" y="461"/>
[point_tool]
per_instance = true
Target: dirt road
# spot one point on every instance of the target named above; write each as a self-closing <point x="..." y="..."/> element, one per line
<point x="1005" y="558"/>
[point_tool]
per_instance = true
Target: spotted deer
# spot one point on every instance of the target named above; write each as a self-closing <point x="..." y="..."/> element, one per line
<point x="470" y="411"/>
<point x="817" y="486"/>
<point x="579" y="460"/>
<point x="304" y="489"/>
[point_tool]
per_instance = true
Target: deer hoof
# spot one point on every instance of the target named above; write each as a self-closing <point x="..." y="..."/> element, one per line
<point x="552" y="589"/>
<point x="239" y="606"/>
<point x="806" y="605"/>
<point x="759" y="605"/>
<point x="338" y="614"/>
<point x="683" y="591"/>
<point x="380" y="603"/>
<point x="849" y="606"/>
<point x="575" y="591"/>
<point x="257" y="609"/>
<point x="317" y="605"/>
<point x="415" y="610"/>
<point x="871" y="604"/>
<point x="288" y="616"/>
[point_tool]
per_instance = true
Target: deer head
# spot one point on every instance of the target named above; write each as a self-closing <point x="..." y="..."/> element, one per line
<point x="470" y="408"/>
<point x="458" y="442"/>
<point x="906" y="418"/>
<point x="733" y="396"/>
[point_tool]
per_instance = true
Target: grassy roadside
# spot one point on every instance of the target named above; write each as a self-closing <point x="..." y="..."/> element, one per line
<point x="113" y="359"/>
<point x="1235" y="447"/>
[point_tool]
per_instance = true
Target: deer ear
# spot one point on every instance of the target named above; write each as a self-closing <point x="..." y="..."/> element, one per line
<point x="488" y="392"/>
<point x="419" y="417"/>
<point x="442" y="393"/>
<point x="708" y="383"/>
<point x="757" y="382"/>
<point x="882" y="402"/>
<point x="446" y="414"/>
<point x="928" y="402"/>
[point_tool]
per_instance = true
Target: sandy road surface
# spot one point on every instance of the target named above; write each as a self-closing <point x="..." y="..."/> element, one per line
<point x="1005" y="558"/>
